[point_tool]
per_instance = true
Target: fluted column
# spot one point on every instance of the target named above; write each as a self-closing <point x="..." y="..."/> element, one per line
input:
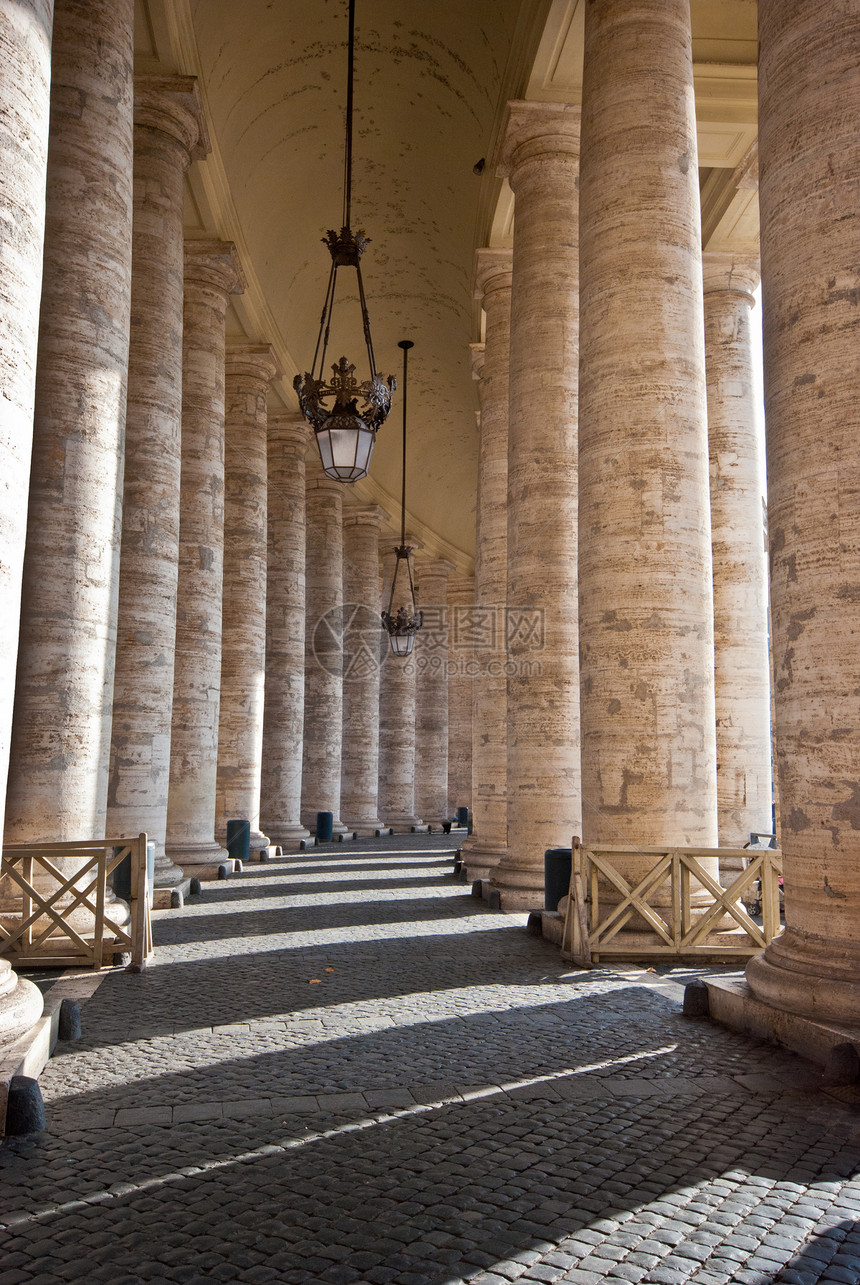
<point x="461" y="600"/>
<point x="212" y="272"/>
<point x="540" y="156"/>
<point x="323" y="725"/>
<point x="169" y="132"/>
<point x="809" y="90"/>
<point x="249" y="369"/>
<point x="646" y="610"/>
<point x="741" y="652"/>
<point x="431" y="692"/>
<point x="61" y="729"/>
<point x="283" y="715"/>
<point x="396" y="729"/>
<point x="363" y="643"/>
<point x="488" y="841"/>
<point x="25" y="73"/>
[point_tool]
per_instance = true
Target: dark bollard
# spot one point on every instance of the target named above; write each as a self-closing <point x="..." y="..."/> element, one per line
<point x="696" y="999"/>
<point x="177" y="901"/>
<point x="25" y="1110"/>
<point x="556" y="876"/>
<point x="239" y="839"/>
<point x="534" y="927"/>
<point x="195" y="888"/>
<point x="477" y="888"/>
<point x="325" y="827"/>
<point x="69" y="1021"/>
<point x="462" y="817"/>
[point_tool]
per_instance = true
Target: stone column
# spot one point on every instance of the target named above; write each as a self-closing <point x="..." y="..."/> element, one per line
<point x="461" y="601"/>
<point x="741" y="651"/>
<point x="396" y="729"/>
<point x="249" y="368"/>
<point x="323" y="727"/>
<point x="284" y="709"/>
<point x="809" y="90"/>
<point x="431" y="692"/>
<point x="645" y="580"/>
<point x="363" y="642"/>
<point x="25" y="74"/>
<point x="488" y="841"/>
<point x="540" y="156"/>
<point x="169" y="133"/>
<point x="61" y="730"/>
<point x="212" y="272"/>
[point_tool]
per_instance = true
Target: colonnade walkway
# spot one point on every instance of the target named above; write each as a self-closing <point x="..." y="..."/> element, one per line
<point x="341" y="1067"/>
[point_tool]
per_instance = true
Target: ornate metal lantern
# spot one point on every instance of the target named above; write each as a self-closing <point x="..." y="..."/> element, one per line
<point x="344" y="413"/>
<point x="403" y="623"/>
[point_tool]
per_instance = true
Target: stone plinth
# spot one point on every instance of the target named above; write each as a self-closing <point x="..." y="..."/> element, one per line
<point x="169" y="133"/>
<point x="809" y="90"/>
<point x="431" y="692"/>
<point x="540" y="156"/>
<point x="61" y="731"/>
<point x="323" y="725"/>
<point x="645" y="578"/>
<point x="396" y="727"/>
<point x="212" y="272"/>
<point x="741" y="650"/>
<point x="488" y="841"/>
<point x="249" y="369"/>
<point x="364" y="647"/>
<point x="461" y="600"/>
<point x="283" y="715"/>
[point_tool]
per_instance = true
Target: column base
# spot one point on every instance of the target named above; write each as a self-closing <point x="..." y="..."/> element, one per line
<point x="519" y="887"/>
<point x="809" y="976"/>
<point x="200" y="860"/>
<point x="172" y="898"/>
<point x="288" y="835"/>
<point x="402" y="824"/>
<point x="21" y="1004"/>
<point x="167" y="875"/>
<point x="258" y="843"/>
<point x="479" y="861"/>
<point x="366" y="829"/>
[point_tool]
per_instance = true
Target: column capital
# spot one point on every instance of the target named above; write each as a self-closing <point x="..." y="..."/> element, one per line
<point x="477" y="353"/>
<point x="215" y="263"/>
<point x="435" y="566"/>
<point x="537" y="132"/>
<point x="365" y="515"/>
<point x="291" y="429"/>
<point x="737" y="273"/>
<point x="493" y="271"/>
<point x="172" y="105"/>
<point x="255" y="361"/>
<point x="318" y="483"/>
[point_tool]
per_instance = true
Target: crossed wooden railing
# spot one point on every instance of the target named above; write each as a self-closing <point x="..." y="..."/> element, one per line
<point x="690" y="931"/>
<point x="44" y="935"/>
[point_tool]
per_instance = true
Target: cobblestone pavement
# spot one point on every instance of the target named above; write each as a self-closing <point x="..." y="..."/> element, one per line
<point x="343" y="1068"/>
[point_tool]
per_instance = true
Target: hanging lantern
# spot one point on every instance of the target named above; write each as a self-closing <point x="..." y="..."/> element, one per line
<point x="344" y="413"/>
<point x="403" y="623"/>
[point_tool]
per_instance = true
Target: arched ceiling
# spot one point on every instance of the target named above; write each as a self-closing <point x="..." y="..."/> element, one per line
<point x="431" y="84"/>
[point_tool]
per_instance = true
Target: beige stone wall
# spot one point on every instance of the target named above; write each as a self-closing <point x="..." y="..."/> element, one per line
<point x="283" y="716"/>
<point x="211" y="273"/>
<point x="809" y="91"/>
<point x="364" y="647"/>
<point x="169" y="132"/>
<point x="646" y="597"/>
<point x="61" y="731"/>
<point x="249" y="369"/>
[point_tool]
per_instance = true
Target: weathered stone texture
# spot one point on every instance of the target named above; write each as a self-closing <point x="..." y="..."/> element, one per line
<point x="249" y="369"/>
<point x="211" y="273"/>
<point x="61" y="731"/>
<point x="540" y="155"/>
<point x="461" y="599"/>
<point x="396" y="725"/>
<point x="283" y="714"/>
<point x="431" y="692"/>
<point x="809" y="91"/>
<point x="169" y="132"/>
<point x="645" y="577"/>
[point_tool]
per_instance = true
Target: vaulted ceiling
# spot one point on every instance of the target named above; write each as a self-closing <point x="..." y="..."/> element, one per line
<point x="432" y="80"/>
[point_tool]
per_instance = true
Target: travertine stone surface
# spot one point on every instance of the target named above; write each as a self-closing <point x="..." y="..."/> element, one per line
<point x="809" y="91"/>
<point x="431" y="691"/>
<point x="645" y="579"/>
<point x="487" y="843"/>
<point x="396" y="728"/>
<point x="284" y="707"/>
<point x="540" y="156"/>
<point x="461" y="601"/>
<point x="323" y="725"/>
<point x="212" y="272"/>
<point x="364" y="644"/>
<point x="249" y="368"/>
<point x="25" y="72"/>
<point x="61" y="729"/>
<point x="741" y="653"/>
<point x="169" y="132"/>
